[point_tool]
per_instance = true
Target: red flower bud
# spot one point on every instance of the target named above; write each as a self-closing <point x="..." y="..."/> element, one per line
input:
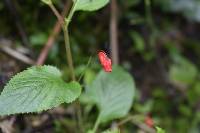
<point x="149" y="121"/>
<point x="105" y="61"/>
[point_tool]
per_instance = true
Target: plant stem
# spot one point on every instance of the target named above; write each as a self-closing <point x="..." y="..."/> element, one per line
<point x="79" y="118"/>
<point x="64" y="25"/>
<point x="96" y="124"/>
<point x="57" y="14"/>
<point x="67" y="41"/>
<point x="138" y="122"/>
<point x="82" y="74"/>
<point x="71" y="13"/>
<point x="51" y="39"/>
<point x="68" y="51"/>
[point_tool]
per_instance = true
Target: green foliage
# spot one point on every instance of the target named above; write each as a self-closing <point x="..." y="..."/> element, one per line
<point x="131" y="3"/>
<point x="36" y="89"/>
<point x="159" y="130"/>
<point x="139" y="44"/>
<point x="89" y="76"/>
<point x="183" y="71"/>
<point x="193" y="93"/>
<point x="112" y="131"/>
<point x="48" y="2"/>
<point x="113" y="93"/>
<point x="38" y="39"/>
<point x="89" y="5"/>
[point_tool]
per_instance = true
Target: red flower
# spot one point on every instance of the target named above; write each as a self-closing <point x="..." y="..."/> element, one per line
<point x="105" y="61"/>
<point x="149" y="121"/>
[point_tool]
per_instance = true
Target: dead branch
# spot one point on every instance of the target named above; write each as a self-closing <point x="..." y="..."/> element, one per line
<point x="4" y="46"/>
<point x="114" y="32"/>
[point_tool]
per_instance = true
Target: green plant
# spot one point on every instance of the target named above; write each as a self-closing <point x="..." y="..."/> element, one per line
<point x="36" y="89"/>
<point x="40" y="88"/>
<point x="159" y="130"/>
<point x="112" y="93"/>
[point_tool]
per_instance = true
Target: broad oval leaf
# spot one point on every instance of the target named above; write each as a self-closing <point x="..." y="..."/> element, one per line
<point x="37" y="89"/>
<point x="89" y="5"/>
<point x="113" y="93"/>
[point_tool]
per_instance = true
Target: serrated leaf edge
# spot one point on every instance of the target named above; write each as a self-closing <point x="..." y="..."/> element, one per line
<point x="39" y="111"/>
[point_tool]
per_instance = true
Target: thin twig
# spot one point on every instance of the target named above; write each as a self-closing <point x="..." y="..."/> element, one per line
<point x="66" y="36"/>
<point x="71" y="13"/>
<point x="17" y="55"/>
<point x="56" y="30"/>
<point x="114" y="32"/>
<point x="133" y="119"/>
<point x="57" y="14"/>
<point x="7" y="125"/>
<point x="88" y="64"/>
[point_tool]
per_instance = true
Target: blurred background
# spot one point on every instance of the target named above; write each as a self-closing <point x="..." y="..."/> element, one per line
<point x="156" y="41"/>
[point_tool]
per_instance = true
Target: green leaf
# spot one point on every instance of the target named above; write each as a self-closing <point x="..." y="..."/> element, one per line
<point x="183" y="71"/>
<point x="90" y="131"/>
<point x="159" y="130"/>
<point x="89" y="5"/>
<point x="112" y="131"/>
<point x="48" y="2"/>
<point x="38" y="39"/>
<point x="113" y="93"/>
<point x="139" y="44"/>
<point x="37" y="89"/>
<point x="193" y="93"/>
